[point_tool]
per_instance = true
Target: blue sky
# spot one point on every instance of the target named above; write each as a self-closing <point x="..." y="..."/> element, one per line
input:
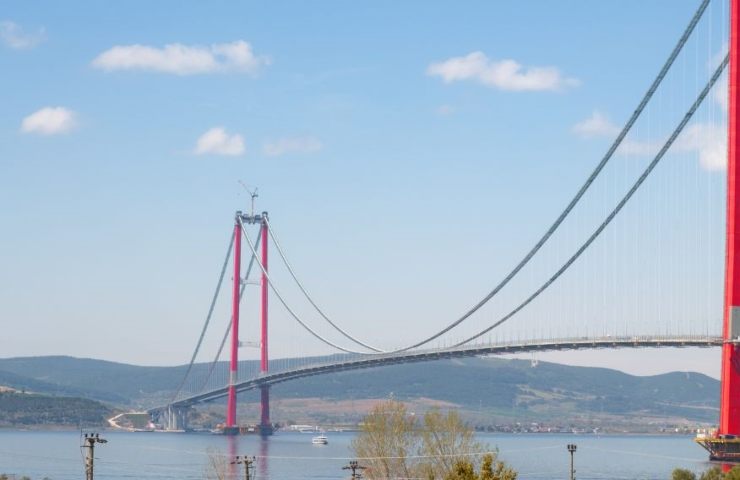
<point x="408" y="153"/>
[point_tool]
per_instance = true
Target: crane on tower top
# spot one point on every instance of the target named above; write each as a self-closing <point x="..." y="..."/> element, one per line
<point x="252" y="193"/>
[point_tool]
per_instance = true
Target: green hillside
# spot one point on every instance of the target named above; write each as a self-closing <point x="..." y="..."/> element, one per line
<point x="504" y="388"/>
<point x="27" y="410"/>
<point x="111" y="382"/>
<point x="515" y="387"/>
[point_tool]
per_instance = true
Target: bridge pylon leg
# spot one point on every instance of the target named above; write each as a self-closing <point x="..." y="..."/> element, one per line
<point x="730" y="392"/>
<point x="265" y="423"/>
<point x="231" y="428"/>
<point x="725" y="444"/>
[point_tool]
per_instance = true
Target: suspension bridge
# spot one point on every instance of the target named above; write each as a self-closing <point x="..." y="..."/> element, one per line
<point x="526" y="311"/>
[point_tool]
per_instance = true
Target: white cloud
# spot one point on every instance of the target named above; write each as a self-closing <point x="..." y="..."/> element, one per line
<point x="597" y="125"/>
<point x="720" y="93"/>
<point x="503" y="74"/>
<point x="182" y="59"/>
<point x="640" y="148"/>
<point x="50" y="121"/>
<point x="716" y="59"/>
<point x="292" y="145"/>
<point x="709" y="140"/>
<point x="218" y="142"/>
<point x="14" y="36"/>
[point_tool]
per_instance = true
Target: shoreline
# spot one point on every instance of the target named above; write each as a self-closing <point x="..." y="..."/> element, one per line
<point x="110" y="429"/>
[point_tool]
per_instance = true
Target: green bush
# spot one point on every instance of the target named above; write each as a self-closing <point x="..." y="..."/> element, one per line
<point x="683" y="474"/>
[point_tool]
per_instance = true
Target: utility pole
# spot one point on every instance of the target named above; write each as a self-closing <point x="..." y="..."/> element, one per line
<point x="89" y="442"/>
<point x="572" y="449"/>
<point x="354" y="466"/>
<point x="248" y="464"/>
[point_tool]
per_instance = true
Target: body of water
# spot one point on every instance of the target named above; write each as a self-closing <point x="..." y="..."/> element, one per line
<point x="288" y="455"/>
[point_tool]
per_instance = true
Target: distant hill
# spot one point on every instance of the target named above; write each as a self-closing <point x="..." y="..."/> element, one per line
<point x="112" y="382"/>
<point x="492" y="386"/>
<point x="28" y="410"/>
<point x="515" y="388"/>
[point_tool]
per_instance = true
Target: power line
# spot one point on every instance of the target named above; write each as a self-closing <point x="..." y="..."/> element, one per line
<point x="354" y="466"/>
<point x="89" y="441"/>
<point x="248" y="463"/>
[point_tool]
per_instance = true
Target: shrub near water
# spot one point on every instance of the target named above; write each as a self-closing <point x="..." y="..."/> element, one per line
<point x="5" y="476"/>
<point x="714" y="473"/>
<point x="393" y="444"/>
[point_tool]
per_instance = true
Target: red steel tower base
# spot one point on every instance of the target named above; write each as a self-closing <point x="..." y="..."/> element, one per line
<point x="265" y="424"/>
<point x="724" y="445"/>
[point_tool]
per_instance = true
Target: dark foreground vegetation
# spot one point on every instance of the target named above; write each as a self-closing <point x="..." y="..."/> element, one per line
<point x="26" y="409"/>
<point x="714" y="473"/>
<point x="5" y="476"/>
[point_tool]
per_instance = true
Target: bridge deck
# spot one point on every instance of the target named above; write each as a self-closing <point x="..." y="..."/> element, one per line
<point x="371" y="361"/>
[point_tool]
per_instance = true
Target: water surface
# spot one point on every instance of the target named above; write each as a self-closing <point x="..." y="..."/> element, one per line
<point x="287" y="455"/>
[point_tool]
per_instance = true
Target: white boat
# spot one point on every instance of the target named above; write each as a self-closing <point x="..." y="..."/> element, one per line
<point x="320" y="440"/>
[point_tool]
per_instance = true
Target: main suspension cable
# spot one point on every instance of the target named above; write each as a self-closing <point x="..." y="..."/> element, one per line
<point x="228" y="327"/>
<point x="282" y="300"/>
<point x="208" y="319"/>
<point x="615" y="211"/>
<point x="574" y="201"/>
<point x="308" y="297"/>
<point x="617" y="142"/>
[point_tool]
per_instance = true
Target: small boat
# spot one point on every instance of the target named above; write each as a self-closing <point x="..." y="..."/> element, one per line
<point x="320" y="440"/>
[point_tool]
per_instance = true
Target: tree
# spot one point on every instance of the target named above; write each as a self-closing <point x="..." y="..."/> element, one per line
<point x="490" y="470"/>
<point x="385" y="441"/>
<point x="683" y="474"/>
<point x="714" y="473"/>
<point x="461" y="470"/>
<point x="446" y="441"/>
<point x="733" y="474"/>
<point x="494" y="469"/>
<point x="218" y="466"/>
<point x="392" y="444"/>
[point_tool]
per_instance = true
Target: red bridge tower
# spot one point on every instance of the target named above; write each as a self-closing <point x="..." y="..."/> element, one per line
<point x="231" y="427"/>
<point x="725" y="444"/>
